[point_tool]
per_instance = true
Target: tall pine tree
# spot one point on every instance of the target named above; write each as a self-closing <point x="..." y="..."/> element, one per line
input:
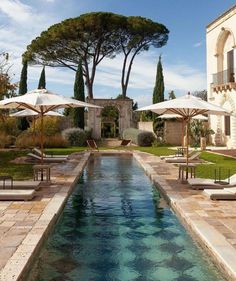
<point x="158" y="96"/>
<point x="23" y="123"/>
<point x="78" y="113"/>
<point x="42" y="80"/>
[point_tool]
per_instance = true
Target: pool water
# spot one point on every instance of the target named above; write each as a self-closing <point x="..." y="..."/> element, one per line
<point x="116" y="227"/>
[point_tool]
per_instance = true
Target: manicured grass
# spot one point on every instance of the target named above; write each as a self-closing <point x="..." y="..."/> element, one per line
<point x="227" y="164"/>
<point x="17" y="171"/>
<point x="153" y="150"/>
<point x="25" y="171"/>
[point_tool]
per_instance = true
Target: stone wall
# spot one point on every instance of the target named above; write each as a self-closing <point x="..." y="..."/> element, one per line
<point x="124" y="107"/>
<point x="173" y="132"/>
<point x="145" y="126"/>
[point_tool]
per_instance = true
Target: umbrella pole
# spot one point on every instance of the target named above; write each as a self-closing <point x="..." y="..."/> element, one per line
<point x="41" y="137"/>
<point x="34" y="137"/>
<point x="187" y="142"/>
<point x="183" y="125"/>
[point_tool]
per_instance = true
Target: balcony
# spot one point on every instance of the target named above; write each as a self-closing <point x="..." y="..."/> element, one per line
<point x="224" y="80"/>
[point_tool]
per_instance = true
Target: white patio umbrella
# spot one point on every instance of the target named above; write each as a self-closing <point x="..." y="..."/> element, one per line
<point x="186" y="106"/>
<point x="42" y="101"/>
<point x="179" y="117"/>
<point x="30" y="112"/>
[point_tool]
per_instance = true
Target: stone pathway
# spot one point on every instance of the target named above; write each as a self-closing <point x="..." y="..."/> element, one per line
<point x="24" y="225"/>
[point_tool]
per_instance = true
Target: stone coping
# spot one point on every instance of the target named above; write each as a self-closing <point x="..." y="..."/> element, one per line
<point x="24" y="226"/>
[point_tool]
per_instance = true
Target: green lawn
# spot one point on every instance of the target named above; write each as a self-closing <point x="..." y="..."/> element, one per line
<point x="24" y="171"/>
<point x="218" y="161"/>
<point x="17" y="171"/>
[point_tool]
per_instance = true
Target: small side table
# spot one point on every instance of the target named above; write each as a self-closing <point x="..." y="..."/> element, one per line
<point x="42" y="172"/>
<point x="4" y="179"/>
<point x="186" y="170"/>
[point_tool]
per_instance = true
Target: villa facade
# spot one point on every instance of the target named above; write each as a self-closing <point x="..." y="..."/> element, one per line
<point x="221" y="75"/>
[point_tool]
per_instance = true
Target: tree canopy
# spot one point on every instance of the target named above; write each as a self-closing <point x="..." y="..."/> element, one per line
<point x="7" y="88"/>
<point x="92" y="37"/>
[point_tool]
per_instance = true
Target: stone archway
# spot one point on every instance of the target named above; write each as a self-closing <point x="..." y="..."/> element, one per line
<point x="124" y="106"/>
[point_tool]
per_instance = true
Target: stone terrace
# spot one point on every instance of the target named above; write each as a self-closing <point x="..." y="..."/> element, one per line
<point x="24" y="225"/>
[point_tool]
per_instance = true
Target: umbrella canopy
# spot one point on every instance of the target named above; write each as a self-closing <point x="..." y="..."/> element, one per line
<point x="30" y="112"/>
<point x="170" y="116"/>
<point x="42" y="101"/>
<point x="186" y="106"/>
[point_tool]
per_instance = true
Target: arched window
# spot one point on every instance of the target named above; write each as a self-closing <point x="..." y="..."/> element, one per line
<point x="225" y="57"/>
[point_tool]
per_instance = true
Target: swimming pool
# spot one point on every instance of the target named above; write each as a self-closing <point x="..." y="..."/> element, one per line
<point x="116" y="227"/>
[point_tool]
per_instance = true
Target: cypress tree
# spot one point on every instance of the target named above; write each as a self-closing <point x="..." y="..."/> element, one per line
<point x="42" y="80"/>
<point x="158" y="92"/>
<point x="23" y="123"/>
<point x="78" y="113"/>
<point x="23" y="79"/>
<point x="158" y="96"/>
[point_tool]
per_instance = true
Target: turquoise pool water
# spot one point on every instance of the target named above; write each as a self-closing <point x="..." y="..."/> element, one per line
<point x="116" y="227"/>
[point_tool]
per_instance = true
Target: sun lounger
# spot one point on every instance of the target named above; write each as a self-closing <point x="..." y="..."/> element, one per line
<point x="201" y="183"/>
<point x="192" y="158"/>
<point x="92" y="145"/>
<point x="222" y="194"/>
<point x="20" y="194"/>
<point x="180" y="152"/>
<point x="20" y="185"/>
<point x="47" y="159"/>
<point x="38" y="152"/>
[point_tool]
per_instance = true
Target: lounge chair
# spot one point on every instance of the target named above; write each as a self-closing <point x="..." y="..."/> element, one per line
<point x="201" y="183"/>
<point x="92" y="145"/>
<point x="125" y="142"/>
<point x="180" y="152"/>
<point x="222" y="194"/>
<point x="38" y="152"/>
<point x="47" y="159"/>
<point x="192" y="158"/>
<point x="20" y="194"/>
<point x="20" y="185"/>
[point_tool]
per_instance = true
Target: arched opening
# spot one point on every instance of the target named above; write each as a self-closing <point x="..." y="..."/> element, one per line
<point x="225" y="57"/>
<point x="110" y="122"/>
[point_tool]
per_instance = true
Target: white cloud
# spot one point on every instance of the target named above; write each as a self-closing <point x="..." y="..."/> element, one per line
<point x="180" y="77"/>
<point x="16" y="10"/>
<point x="198" y="44"/>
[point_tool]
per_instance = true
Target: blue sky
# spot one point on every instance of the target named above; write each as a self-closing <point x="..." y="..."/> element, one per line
<point x="183" y="58"/>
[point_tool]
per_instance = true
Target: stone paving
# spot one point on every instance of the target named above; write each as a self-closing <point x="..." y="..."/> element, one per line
<point x="24" y="225"/>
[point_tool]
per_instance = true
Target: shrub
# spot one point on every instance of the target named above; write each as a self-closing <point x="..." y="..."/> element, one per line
<point x="5" y="140"/>
<point x="75" y="136"/>
<point x="139" y="137"/>
<point x="51" y="125"/>
<point x="8" y="125"/>
<point x="27" y="140"/>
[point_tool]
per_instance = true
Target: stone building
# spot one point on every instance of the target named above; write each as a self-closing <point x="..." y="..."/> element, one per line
<point x="221" y="70"/>
<point x="97" y="121"/>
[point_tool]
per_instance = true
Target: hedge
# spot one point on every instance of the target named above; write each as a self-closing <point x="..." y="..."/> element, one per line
<point x="139" y="137"/>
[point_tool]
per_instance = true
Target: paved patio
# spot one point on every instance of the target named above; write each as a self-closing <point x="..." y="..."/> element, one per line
<point x="24" y="225"/>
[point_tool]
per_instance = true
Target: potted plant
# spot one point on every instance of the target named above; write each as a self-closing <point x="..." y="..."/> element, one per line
<point x="205" y="133"/>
